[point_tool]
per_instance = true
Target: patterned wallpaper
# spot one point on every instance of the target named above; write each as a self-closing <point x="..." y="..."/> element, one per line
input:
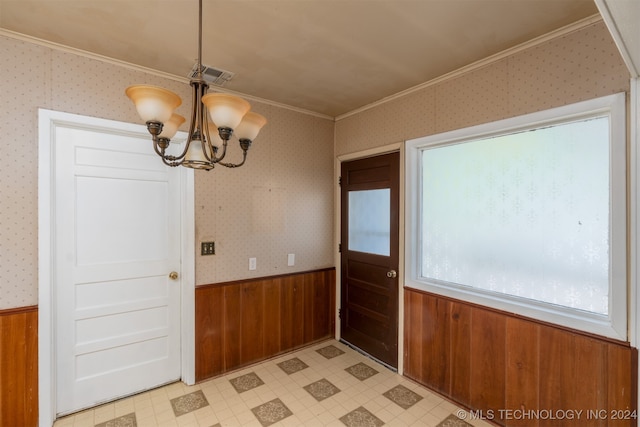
<point x="280" y="202"/>
<point x="581" y="65"/>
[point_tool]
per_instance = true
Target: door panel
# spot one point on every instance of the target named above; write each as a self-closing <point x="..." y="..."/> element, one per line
<point x="369" y="242"/>
<point x="117" y="213"/>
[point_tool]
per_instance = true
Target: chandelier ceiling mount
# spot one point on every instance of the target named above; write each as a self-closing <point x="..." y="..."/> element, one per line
<point x="228" y="114"/>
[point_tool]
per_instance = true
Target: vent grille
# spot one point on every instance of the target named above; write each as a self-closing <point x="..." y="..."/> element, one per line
<point x="214" y="76"/>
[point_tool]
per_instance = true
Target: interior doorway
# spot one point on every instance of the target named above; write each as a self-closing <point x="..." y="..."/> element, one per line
<point x="114" y="225"/>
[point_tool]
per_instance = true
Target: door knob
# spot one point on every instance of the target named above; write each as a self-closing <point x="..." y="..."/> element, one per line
<point x="173" y="275"/>
<point x="392" y="274"/>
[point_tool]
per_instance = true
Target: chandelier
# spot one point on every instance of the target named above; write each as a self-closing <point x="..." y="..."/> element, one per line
<point x="229" y="115"/>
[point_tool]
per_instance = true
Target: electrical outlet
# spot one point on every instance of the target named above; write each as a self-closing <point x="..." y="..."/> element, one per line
<point x="252" y="263"/>
<point x="207" y="248"/>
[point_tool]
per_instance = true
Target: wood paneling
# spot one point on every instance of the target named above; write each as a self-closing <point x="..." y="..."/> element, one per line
<point x="436" y="327"/>
<point x="522" y="368"/>
<point x="19" y="367"/>
<point x="460" y="351"/>
<point x="243" y="322"/>
<point x="518" y="371"/>
<point x="487" y="362"/>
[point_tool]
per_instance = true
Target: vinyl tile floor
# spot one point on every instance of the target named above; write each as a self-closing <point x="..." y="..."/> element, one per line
<point x="327" y="384"/>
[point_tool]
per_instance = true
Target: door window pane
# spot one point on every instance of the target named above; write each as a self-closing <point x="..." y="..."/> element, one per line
<point x="369" y="221"/>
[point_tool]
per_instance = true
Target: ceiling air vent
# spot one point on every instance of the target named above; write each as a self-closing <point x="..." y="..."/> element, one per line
<point x="212" y="75"/>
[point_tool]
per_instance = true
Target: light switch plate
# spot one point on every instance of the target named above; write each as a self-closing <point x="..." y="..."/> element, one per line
<point x="291" y="260"/>
<point x="252" y="263"/>
<point x="207" y="248"/>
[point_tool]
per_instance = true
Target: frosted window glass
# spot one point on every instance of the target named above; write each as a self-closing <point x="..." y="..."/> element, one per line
<point x="369" y="221"/>
<point x="525" y="214"/>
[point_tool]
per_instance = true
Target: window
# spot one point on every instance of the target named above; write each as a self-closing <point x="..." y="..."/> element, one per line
<point x="369" y="221"/>
<point x="526" y="215"/>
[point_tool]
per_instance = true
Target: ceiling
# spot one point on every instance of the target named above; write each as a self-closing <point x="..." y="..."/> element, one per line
<point x="325" y="56"/>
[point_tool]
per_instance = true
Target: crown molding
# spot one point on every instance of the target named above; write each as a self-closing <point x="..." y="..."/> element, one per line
<point x="83" y="53"/>
<point x="560" y="32"/>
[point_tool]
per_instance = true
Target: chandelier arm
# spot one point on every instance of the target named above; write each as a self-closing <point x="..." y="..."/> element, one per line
<point x="235" y="165"/>
<point x="155" y="147"/>
<point x="159" y="145"/>
<point x="192" y="122"/>
<point x="225" y="135"/>
<point x="203" y="122"/>
<point x="211" y="151"/>
<point x="223" y="152"/>
<point x="169" y="162"/>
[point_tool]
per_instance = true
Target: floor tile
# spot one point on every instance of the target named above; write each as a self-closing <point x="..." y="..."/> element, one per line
<point x="321" y="389"/>
<point x="323" y="385"/>
<point x="330" y="351"/>
<point x="246" y="382"/>
<point x="361" y="371"/>
<point x="360" y="417"/>
<point x="402" y="396"/>
<point x="271" y="412"/>
<point x="453" y="421"/>
<point x="188" y="403"/>
<point x="128" y="420"/>
<point x="292" y="365"/>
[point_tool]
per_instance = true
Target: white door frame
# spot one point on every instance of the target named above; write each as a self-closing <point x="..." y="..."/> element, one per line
<point x="47" y="122"/>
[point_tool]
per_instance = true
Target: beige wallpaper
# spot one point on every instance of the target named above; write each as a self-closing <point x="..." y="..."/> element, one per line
<point x="280" y="202"/>
<point x="582" y="65"/>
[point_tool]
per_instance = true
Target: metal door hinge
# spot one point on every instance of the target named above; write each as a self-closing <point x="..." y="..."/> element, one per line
<point x="340" y="247"/>
<point x="339" y="313"/>
<point x="340" y="181"/>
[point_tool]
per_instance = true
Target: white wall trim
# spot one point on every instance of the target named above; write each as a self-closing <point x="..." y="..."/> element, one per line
<point x="618" y="36"/>
<point x="634" y="211"/>
<point x="46" y="362"/>
<point x="188" y="282"/>
<point x="47" y="120"/>
<point x="150" y="71"/>
<point x="560" y="32"/>
<point x="615" y="323"/>
<point x="576" y="26"/>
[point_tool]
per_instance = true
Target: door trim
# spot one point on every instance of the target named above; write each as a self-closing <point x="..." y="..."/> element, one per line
<point x="385" y="149"/>
<point x="47" y="122"/>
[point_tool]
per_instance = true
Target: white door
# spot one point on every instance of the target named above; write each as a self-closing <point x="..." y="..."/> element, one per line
<point x="117" y="239"/>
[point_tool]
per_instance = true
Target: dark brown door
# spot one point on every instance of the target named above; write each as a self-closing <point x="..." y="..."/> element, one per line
<point x="369" y="255"/>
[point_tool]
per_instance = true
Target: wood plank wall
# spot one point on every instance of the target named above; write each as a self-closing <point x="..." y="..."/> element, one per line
<point x="492" y="361"/>
<point x="19" y="367"/>
<point x="243" y="322"/>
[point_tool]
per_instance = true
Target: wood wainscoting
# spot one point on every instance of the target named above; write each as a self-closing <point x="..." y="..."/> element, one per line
<point x="243" y="322"/>
<point x="19" y="367"/>
<point x="507" y="367"/>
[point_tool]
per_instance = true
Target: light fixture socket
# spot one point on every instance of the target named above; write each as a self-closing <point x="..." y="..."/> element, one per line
<point x="225" y="133"/>
<point x="245" y="144"/>
<point x="155" y="128"/>
<point x="163" y="143"/>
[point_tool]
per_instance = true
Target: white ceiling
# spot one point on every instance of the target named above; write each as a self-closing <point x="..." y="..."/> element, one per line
<point x="325" y="56"/>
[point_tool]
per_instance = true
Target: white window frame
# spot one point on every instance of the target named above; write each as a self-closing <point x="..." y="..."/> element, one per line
<point x="615" y="324"/>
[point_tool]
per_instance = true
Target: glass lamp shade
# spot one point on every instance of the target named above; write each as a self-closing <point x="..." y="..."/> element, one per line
<point x="225" y="110"/>
<point x="250" y="126"/>
<point x="195" y="153"/>
<point x="154" y="104"/>
<point x="171" y="126"/>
